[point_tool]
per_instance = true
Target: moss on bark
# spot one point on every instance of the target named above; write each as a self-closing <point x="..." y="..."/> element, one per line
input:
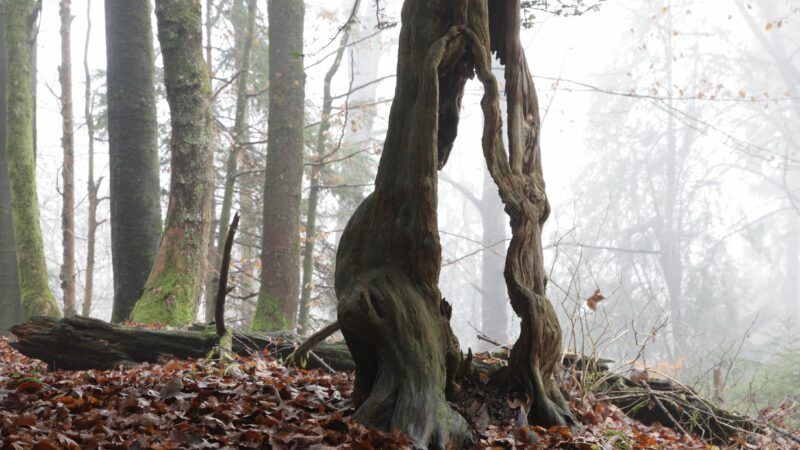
<point x="175" y="284"/>
<point x="10" y="301"/>
<point x="37" y="299"/>
<point x="280" y="239"/>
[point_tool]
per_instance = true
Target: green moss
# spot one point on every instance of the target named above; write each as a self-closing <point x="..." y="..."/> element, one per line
<point x="37" y="299"/>
<point x="268" y="315"/>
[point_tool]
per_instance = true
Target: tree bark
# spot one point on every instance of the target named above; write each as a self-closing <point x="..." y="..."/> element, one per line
<point x="175" y="284"/>
<point x="314" y="181"/>
<point x="392" y="315"/>
<point x="10" y="300"/>
<point x="82" y="343"/>
<point x="244" y="23"/>
<point x="518" y="175"/>
<point x="92" y="186"/>
<point x="68" y="272"/>
<point x="37" y="299"/>
<point x="280" y="241"/>
<point x="133" y="150"/>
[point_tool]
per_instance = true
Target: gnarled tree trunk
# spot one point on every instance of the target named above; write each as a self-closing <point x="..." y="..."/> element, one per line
<point x="392" y="315"/>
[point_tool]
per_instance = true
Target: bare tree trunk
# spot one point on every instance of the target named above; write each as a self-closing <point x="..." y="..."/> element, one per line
<point x="37" y="299"/>
<point x="67" y="274"/>
<point x="280" y="240"/>
<point x="395" y="322"/>
<point x="10" y="300"/>
<point x="134" y="184"/>
<point x="211" y="258"/>
<point x="314" y="179"/>
<point x="175" y="284"/>
<point x="244" y="42"/>
<point x="92" y="186"/>
<point x="518" y="175"/>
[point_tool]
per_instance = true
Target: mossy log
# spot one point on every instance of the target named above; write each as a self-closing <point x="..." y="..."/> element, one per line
<point x="79" y="343"/>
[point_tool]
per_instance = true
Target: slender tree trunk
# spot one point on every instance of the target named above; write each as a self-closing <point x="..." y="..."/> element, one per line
<point x="37" y="299"/>
<point x="314" y="178"/>
<point x="175" y="284"/>
<point x="133" y="150"/>
<point x="244" y="23"/>
<point x="280" y="240"/>
<point x="211" y="270"/>
<point x="68" y="272"/>
<point x="92" y="186"/>
<point x="10" y="301"/>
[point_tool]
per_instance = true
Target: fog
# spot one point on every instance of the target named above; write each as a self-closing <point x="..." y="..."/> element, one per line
<point x="671" y="147"/>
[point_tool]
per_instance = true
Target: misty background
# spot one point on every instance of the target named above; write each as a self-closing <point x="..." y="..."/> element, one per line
<point x="671" y="146"/>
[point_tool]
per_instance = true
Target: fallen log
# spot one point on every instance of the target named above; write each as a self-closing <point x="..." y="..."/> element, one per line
<point x="77" y="343"/>
<point x="80" y="343"/>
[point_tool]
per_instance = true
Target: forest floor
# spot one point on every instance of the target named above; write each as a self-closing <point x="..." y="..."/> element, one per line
<point x="205" y="404"/>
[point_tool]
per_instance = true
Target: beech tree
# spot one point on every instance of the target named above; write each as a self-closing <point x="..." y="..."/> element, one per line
<point x="175" y="284"/>
<point x="37" y="299"/>
<point x="392" y="315"/>
<point x="133" y="150"/>
<point x="10" y="302"/>
<point x="280" y="240"/>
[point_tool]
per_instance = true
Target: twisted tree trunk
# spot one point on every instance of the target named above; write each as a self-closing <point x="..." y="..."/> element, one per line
<point x="392" y="315"/>
<point x="518" y="175"/>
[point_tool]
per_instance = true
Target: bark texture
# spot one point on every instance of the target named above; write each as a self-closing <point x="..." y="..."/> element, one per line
<point x="390" y="309"/>
<point x="10" y="300"/>
<point x="81" y="343"/>
<point x="518" y="175"/>
<point x="280" y="241"/>
<point x="392" y="315"/>
<point x="133" y="150"/>
<point x="68" y="271"/>
<point x="175" y="284"/>
<point x="37" y="299"/>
